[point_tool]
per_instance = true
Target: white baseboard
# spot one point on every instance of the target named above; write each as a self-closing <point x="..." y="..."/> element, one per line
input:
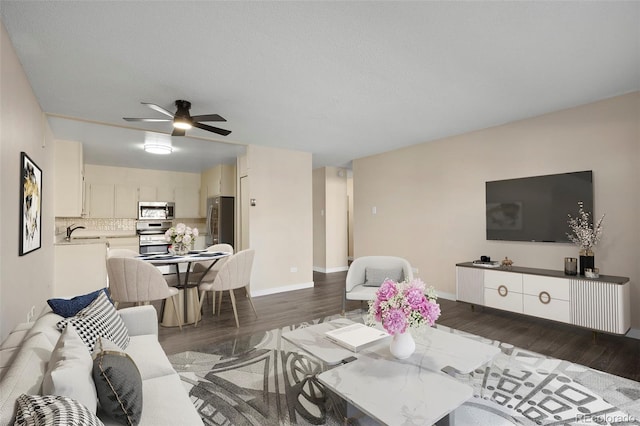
<point x="445" y="295"/>
<point x="634" y="333"/>
<point x="274" y="290"/>
<point x="330" y="270"/>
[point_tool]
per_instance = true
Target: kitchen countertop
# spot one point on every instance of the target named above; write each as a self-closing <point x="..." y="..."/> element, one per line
<point x="84" y="236"/>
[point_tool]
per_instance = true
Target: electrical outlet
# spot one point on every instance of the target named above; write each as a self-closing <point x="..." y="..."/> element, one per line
<point x="294" y="269"/>
<point x="31" y="314"/>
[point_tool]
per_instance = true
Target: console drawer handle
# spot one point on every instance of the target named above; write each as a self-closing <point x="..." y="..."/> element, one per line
<point x="503" y="291"/>
<point x="544" y="297"/>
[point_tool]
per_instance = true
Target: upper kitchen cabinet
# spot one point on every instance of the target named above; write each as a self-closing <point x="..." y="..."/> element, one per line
<point x="99" y="200"/>
<point x="187" y="202"/>
<point x="218" y="181"/>
<point x="68" y="179"/>
<point x="147" y="193"/>
<point x="165" y="193"/>
<point x="126" y="201"/>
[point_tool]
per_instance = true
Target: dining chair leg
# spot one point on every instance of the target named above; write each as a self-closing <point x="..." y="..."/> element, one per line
<point x="219" y="302"/>
<point x="196" y="306"/>
<point x="175" y="308"/>
<point x="235" y="311"/>
<point x="213" y="302"/>
<point x="251" y="301"/>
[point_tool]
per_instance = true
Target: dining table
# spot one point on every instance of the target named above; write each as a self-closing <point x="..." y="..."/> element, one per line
<point x="188" y="259"/>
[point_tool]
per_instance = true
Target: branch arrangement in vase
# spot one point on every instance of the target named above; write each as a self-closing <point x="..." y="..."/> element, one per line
<point x="584" y="233"/>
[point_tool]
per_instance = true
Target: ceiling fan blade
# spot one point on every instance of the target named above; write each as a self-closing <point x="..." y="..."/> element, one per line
<point x="207" y="117"/>
<point x="217" y="130"/>
<point x="150" y="120"/>
<point x="158" y="108"/>
<point x="178" y="132"/>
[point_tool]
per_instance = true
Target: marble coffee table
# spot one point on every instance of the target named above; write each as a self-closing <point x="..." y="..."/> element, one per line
<point x="392" y="391"/>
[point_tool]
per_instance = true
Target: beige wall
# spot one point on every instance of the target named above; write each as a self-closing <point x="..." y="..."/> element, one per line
<point x="350" y="221"/>
<point x="319" y="222"/>
<point x="336" y="217"/>
<point x="25" y="281"/>
<point x="281" y="222"/>
<point x="430" y="198"/>
<point x="330" y="226"/>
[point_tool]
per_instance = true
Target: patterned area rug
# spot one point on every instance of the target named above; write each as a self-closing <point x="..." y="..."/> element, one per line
<point x="265" y="380"/>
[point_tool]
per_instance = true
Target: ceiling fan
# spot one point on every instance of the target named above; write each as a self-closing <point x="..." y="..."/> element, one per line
<point x="182" y="120"/>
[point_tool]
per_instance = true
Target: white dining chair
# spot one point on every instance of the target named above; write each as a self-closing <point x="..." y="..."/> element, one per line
<point x="136" y="281"/>
<point x="235" y="273"/>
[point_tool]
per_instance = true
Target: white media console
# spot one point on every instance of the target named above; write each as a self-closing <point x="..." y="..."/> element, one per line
<point x="600" y="304"/>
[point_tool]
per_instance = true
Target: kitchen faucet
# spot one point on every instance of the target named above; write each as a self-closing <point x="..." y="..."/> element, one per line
<point x="70" y="230"/>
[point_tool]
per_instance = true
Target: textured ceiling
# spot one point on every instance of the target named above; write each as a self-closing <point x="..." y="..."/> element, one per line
<point x="342" y="80"/>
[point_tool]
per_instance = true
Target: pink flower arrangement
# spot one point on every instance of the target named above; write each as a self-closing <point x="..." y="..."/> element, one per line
<point x="399" y="306"/>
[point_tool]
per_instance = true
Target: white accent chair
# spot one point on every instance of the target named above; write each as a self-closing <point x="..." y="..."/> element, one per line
<point x="355" y="288"/>
<point x="134" y="280"/>
<point x="234" y="273"/>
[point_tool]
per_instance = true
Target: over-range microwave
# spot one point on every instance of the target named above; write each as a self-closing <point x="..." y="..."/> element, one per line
<point x="154" y="210"/>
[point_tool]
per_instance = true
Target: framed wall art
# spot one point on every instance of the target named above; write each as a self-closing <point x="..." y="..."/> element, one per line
<point x="30" y="205"/>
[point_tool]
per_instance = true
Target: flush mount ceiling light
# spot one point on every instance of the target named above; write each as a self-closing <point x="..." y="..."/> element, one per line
<point x="157" y="143"/>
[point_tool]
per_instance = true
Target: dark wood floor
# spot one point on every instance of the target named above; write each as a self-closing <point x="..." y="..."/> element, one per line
<point x="614" y="354"/>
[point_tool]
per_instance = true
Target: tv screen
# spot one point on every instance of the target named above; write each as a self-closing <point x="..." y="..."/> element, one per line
<point x="536" y="208"/>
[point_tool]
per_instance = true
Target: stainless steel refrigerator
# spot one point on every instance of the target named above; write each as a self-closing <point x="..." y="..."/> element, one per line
<point x="220" y="220"/>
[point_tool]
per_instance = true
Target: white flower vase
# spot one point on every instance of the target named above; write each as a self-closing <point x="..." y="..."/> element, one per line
<point x="402" y="345"/>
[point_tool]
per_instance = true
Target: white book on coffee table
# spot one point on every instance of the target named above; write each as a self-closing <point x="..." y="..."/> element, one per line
<point x="356" y="336"/>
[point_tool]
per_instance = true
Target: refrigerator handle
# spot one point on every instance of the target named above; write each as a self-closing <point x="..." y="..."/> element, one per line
<point x="209" y="218"/>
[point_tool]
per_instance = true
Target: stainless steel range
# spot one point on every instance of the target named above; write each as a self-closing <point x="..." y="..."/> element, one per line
<point x="151" y="235"/>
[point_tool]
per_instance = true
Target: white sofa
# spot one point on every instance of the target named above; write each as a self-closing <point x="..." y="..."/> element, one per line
<point x="165" y="399"/>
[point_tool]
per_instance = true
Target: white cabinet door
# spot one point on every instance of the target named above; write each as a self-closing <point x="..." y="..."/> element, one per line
<point x="503" y="299"/>
<point x="79" y="269"/>
<point x="165" y="193"/>
<point x="187" y="202"/>
<point x="100" y="200"/>
<point x="126" y="201"/>
<point x="147" y="193"/>
<point x="68" y="179"/>
<point x="544" y="307"/>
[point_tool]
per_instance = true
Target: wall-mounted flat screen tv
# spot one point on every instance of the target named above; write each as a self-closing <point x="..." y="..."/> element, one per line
<point x="536" y="208"/>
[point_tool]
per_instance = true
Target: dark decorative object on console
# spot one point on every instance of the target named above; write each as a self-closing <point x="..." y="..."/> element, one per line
<point x="587" y="260"/>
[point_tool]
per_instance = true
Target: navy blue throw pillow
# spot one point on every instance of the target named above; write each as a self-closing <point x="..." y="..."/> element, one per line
<point x="69" y="307"/>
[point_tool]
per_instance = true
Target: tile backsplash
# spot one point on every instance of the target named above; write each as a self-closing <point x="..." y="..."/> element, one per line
<point x="115" y="224"/>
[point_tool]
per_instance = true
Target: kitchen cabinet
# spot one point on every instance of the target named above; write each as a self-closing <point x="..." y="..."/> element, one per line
<point x="68" y="179"/>
<point x="130" y="243"/>
<point x="165" y="193"/>
<point x="99" y="200"/>
<point x="218" y="181"/>
<point x="126" y="201"/>
<point x="187" y="202"/>
<point x="601" y="304"/>
<point x="147" y="193"/>
<point x="79" y="269"/>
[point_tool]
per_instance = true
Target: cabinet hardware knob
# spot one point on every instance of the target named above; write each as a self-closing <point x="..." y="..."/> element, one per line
<point x="544" y="297"/>
<point x="503" y="291"/>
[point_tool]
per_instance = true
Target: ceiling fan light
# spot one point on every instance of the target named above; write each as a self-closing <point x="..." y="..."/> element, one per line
<point x="181" y="123"/>
<point x="158" y="149"/>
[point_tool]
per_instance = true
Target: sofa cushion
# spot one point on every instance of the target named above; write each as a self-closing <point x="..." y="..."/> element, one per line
<point x="100" y="318"/>
<point x="119" y="385"/>
<point x="70" y="371"/>
<point x="374" y="277"/>
<point x="149" y="357"/>
<point x="166" y="403"/>
<point x="53" y="410"/>
<point x="69" y="307"/>
<point x="24" y="375"/>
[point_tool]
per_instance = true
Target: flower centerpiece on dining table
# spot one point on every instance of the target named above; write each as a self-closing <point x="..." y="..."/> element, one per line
<point x="399" y="306"/>
<point x="181" y="237"/>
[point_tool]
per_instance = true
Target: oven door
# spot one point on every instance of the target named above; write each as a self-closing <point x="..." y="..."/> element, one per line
<point x="154" y="249"/>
